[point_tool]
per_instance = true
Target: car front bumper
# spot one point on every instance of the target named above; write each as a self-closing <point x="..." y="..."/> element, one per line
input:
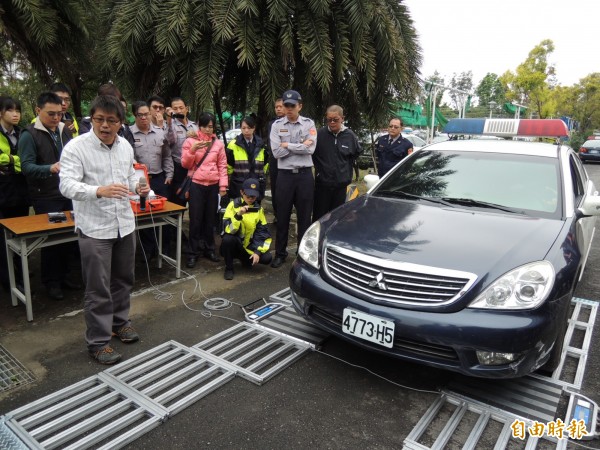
<point x="444" y="340"/>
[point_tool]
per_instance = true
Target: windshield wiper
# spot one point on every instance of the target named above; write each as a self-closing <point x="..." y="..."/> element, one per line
<point x="402" y="194"/>
<point x="472" y="202"/>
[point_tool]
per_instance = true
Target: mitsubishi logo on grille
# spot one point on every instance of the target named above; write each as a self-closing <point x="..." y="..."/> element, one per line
<point x="379" y="282"/>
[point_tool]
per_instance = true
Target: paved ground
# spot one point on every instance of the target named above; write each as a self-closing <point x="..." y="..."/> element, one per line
<point x="318" y="402"/>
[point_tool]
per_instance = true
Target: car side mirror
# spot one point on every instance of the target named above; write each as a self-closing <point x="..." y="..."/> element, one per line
<point x="590" y="206"/>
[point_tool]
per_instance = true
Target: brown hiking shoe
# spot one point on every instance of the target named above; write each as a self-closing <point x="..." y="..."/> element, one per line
<point x="105" y="355"/>
<point x="127" y="335"/>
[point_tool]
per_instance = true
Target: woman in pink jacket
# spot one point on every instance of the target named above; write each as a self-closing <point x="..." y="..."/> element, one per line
<point x="209" y="179"/>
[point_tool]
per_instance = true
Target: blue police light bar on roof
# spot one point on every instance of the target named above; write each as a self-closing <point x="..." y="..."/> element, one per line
<point x="508" y="127"/>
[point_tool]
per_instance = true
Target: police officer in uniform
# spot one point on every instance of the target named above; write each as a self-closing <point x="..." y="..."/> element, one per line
<point x="391" y="148"/>
<point x="293" y="140"/>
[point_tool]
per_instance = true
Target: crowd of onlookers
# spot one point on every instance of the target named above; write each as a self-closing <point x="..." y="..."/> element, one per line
<point x="57" y="163"/>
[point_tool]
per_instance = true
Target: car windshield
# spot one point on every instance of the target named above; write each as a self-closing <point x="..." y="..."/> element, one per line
<point x="506" y="182"/>
<point x="592" y="144"/>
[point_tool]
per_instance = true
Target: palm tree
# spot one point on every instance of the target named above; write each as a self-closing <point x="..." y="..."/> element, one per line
<point x="357" y="53"/>
<point x="54" y="36"/>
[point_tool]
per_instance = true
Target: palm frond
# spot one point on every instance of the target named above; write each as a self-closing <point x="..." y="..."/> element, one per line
<point x="38" y="20"/>
<point x="224" y="16"/>
<point x="315" y="48"/>
<point x="279" y="11"/>
<point x="320" y="8"/>
<point x="209" y="63"/>
<point x="246" y="38"/>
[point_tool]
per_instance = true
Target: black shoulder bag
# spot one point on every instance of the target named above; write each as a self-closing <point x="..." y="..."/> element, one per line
<point x="183" y="193"/>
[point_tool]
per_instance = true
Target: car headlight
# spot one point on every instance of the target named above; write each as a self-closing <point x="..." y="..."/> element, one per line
<point x="525" y="287"/>
<point x="309" y="246"/>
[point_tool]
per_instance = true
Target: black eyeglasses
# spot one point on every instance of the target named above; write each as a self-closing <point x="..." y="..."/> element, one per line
<point x="142" y="115"/>
<point x="332" y="120"/>
<point x="289" y="105"/>
<point x="101" y="120"/>
<point x="159" y="107"/>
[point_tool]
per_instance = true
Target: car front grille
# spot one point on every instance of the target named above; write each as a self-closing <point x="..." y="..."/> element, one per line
<point x="402" y="345"/>
<point x="395" y="282"/>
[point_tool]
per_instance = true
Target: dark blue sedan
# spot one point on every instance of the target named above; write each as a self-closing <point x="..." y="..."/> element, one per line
<point x="465" y="256"/>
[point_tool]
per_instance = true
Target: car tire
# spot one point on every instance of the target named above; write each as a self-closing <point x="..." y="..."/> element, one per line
<point x="550" y="366"/>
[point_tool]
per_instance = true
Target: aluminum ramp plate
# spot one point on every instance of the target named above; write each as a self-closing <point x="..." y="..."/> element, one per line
<point x="458" y="423"/>
<point x="8" y="440"/>
<point x="91" y="413"/>
<point x="529" y="397"/>
<point x="254" y="352"/>
<point x="171" y="375"/>
<point x="289" y="323"/>
<point x="284" y="296"/>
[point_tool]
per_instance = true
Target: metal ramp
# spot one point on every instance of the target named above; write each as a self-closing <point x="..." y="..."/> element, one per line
<point x="289" y="323"/>
<point x="93" y="412"/>
<point x="536" y="399"/>
<point x="8" y="440"/>
<point x="253" y="352"/>
<point x="116" y="406"/>
<point x="472" y="403"/>
<point x="284" y="296"/>
<point x="451" y="416"/>
<point x="170" y="375"/>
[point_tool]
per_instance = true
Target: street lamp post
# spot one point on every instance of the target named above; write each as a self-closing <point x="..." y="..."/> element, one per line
<point x="492" y="106"/>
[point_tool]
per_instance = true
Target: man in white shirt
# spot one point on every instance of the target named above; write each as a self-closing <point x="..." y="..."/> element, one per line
<point x="97" y="174"/>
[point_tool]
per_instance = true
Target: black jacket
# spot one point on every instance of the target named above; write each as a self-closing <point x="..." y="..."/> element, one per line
<point x="13" y="187"/>
<point x="334" y="156"/>
<point x="47" y="153"/>
<point x="389" y="154"/>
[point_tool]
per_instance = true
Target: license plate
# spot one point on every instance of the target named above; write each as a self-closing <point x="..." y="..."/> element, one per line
<point x="594" y="152"/>
<point x="368" y="327"/>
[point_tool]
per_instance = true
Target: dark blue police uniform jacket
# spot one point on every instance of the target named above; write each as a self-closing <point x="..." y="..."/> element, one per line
<point x="389" y="154"/>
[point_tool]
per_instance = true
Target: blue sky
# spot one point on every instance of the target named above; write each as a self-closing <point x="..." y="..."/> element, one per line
<point x="494" y="36"/>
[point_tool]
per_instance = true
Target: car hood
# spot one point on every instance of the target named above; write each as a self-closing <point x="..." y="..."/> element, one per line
<point x="466" y="239"/>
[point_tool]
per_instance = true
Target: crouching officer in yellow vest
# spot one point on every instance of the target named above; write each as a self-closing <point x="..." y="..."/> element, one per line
<point x="246" y="235"/>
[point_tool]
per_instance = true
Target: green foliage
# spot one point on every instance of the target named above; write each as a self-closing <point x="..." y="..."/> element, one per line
<point x="356" y="53"/>
<point x="490" y="89"/>
<point x="55" y="38"/>
<point x="462" y="82"/>
<point x="587" y="93"/>
<point x="19" y="81"/>
<point x="577" y="138"/>
<point x="533" y="81"/>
